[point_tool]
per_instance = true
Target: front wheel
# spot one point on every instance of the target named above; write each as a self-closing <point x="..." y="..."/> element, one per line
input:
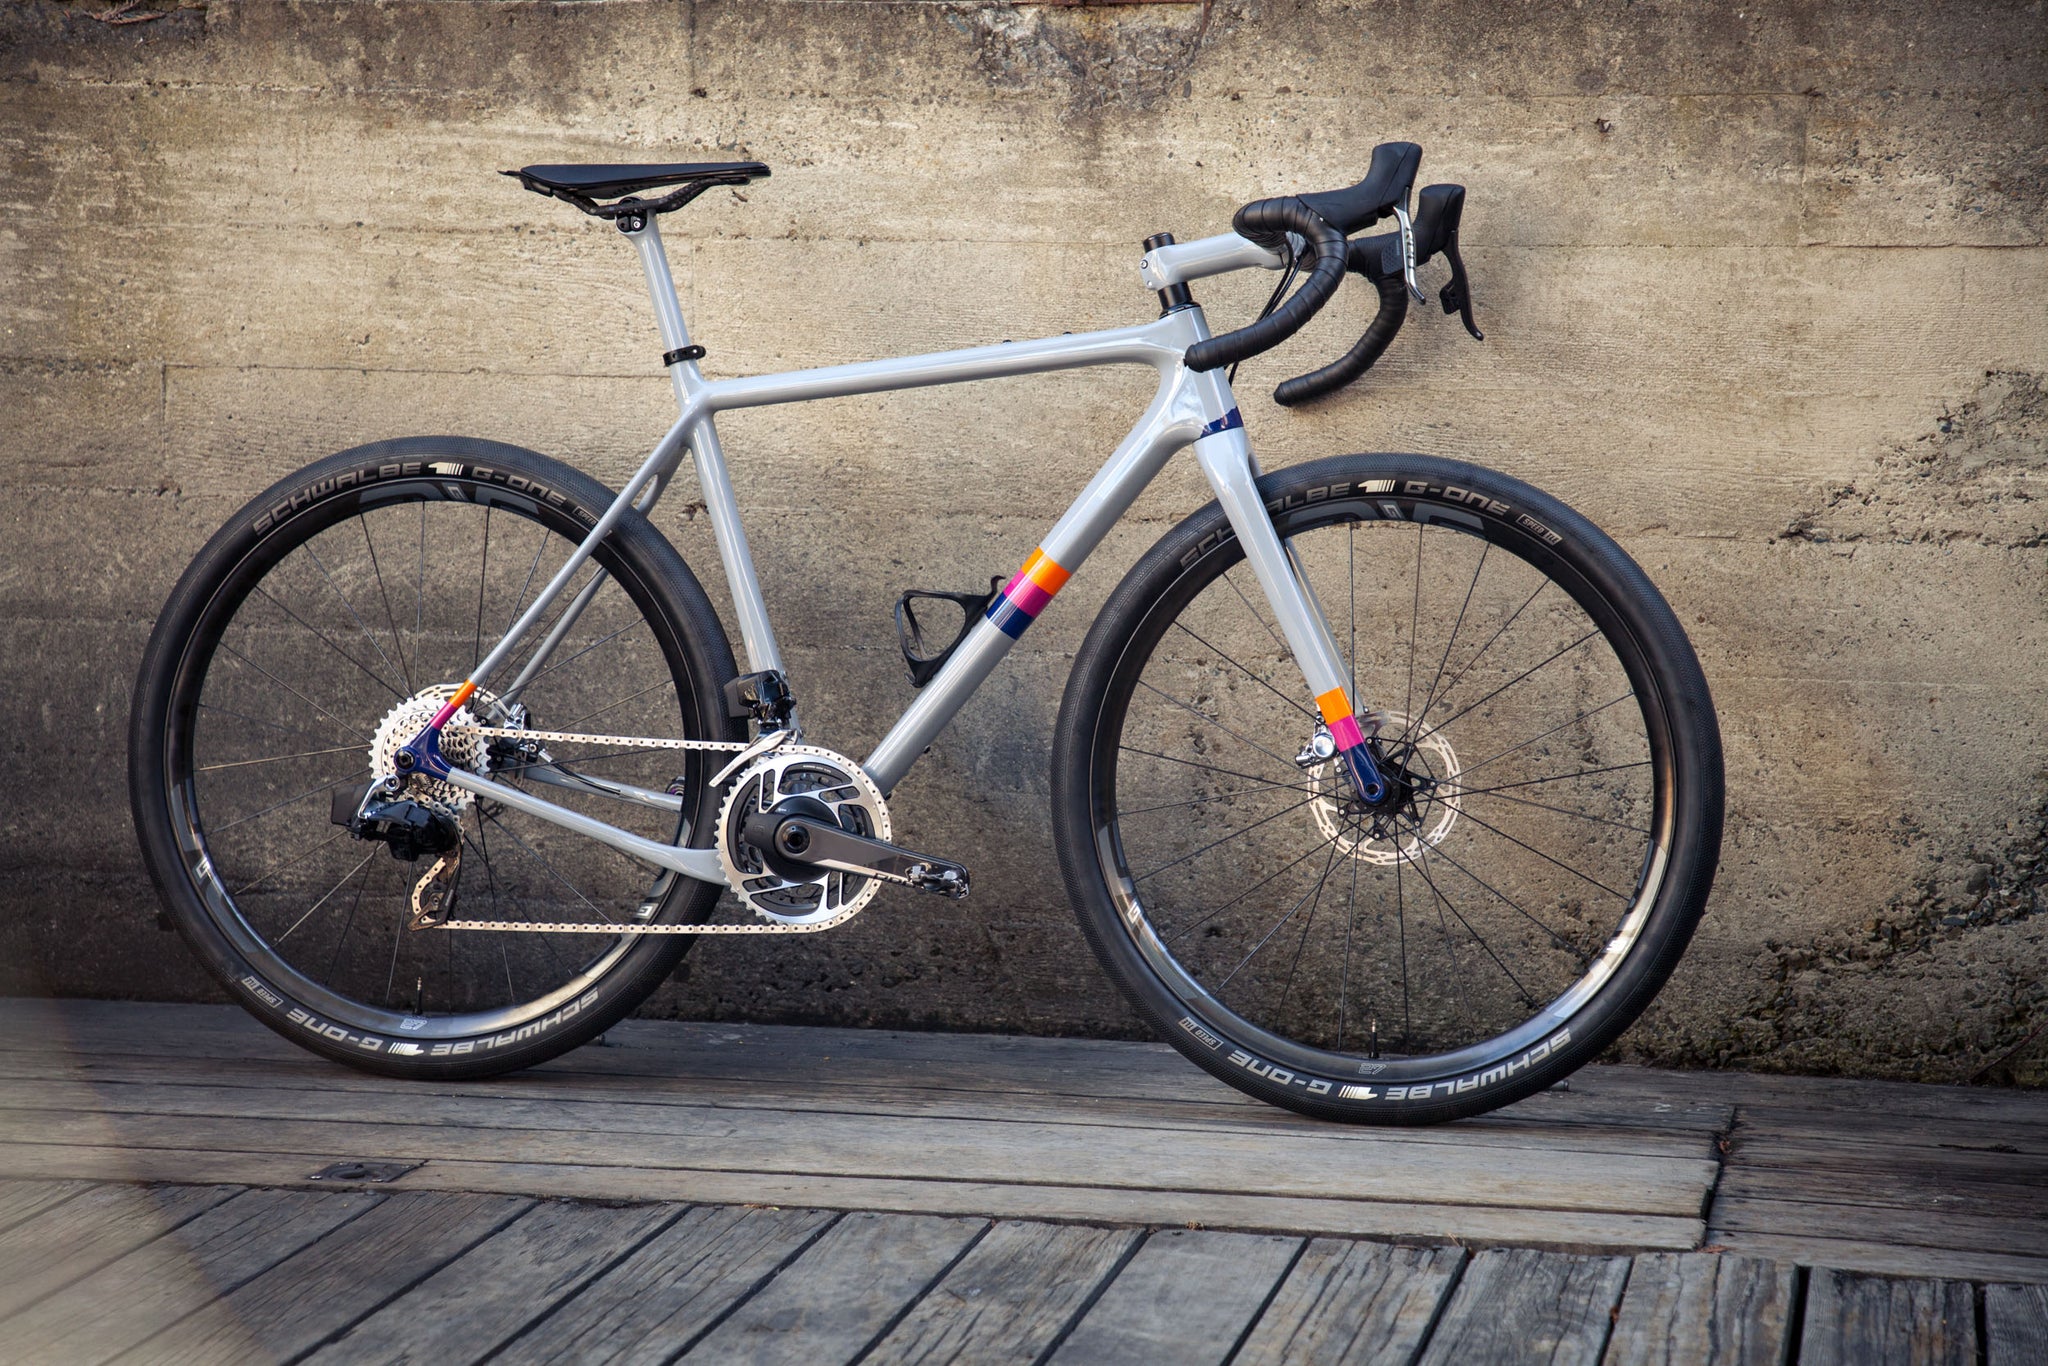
<point x="1536" y="869"/>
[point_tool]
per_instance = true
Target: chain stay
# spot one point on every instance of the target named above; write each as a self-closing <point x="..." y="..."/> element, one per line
<point x="607" y="927"/>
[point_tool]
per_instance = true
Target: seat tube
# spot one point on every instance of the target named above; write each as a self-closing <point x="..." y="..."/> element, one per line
<point x="1225" y="456"/>
<point x="713" y="479"/>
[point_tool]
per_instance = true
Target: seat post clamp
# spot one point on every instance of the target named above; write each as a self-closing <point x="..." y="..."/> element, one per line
<point x="692" y="352"/>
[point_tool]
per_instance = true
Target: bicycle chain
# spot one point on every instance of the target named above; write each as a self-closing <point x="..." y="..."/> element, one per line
<point x="575" y="737"/>
<point x="606" y="926"/>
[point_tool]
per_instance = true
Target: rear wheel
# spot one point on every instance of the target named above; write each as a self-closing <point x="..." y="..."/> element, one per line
<point x="1544" y="857"/>
<point x="323" y="626"/>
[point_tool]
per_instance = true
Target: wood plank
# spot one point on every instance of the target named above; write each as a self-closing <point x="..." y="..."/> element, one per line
<point x="20" y="1200"/>
<point x="759" y="1055"/>
<point x="1566" y="1229"/>
<point x="1514" y="1305"/>
<point x="1184" y="1299"/>
<point x="1629" y="1127"/>
<point x="40" y="1256"/>
<point x="1325" y="1161"/>
<point x="1854" y="1320"/>
<point x="306" y="1299"/>
<point x="1777" y="1097"/>
<point x="1362" y="1302"/>
<point x="1879" y="1258"/>
<point x="1934" y="1193"/>
<point x="1906" y="1178"/>
<point x="2015" y="1325"/>
<point x="144" y="1292"/>
<point x="1994" y="1134"/>
<point x="488" y="1295"/>
<point x="2020" y="1232"/>
<point x="1009" y="1297"/>
<point x="1699" y="1309"/>
<point x="674" y="1286"/>
<point x="841" y="1293"/>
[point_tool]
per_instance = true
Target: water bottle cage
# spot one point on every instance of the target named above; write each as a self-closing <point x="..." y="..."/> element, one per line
<point x="910" y="637"/>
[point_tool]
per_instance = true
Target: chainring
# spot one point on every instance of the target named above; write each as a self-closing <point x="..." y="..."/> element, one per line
<point x="816" y="775"/>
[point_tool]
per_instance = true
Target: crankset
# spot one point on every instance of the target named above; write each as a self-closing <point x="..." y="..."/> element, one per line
<point x="791" y="840"/>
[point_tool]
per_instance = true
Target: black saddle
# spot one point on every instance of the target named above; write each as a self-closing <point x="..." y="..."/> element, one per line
<point x="584" y="185"/>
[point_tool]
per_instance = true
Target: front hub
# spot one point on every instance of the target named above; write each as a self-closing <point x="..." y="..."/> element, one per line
<point x="1416" y="809"/>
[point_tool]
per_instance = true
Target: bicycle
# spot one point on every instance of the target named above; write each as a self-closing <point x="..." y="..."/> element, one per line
<point x="1410" y="825"/>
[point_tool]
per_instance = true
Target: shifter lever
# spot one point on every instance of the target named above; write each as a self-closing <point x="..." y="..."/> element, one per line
<point x="1408" y="253"/>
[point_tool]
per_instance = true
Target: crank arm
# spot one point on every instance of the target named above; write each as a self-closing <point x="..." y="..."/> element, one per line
<point x="821" y="844"/>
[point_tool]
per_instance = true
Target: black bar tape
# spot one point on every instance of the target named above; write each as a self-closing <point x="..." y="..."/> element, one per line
<point x="1268" y="221"/>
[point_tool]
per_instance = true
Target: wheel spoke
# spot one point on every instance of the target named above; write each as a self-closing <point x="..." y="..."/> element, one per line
<point x="384" y="593"/>
<point x="1316" y="891"/>
<point x="1271" y="634"/>
<point x="1553" y="778"/>
<point x="483" y="572"/>
<point x="1584" y="877"/>
<point x="1429" y="697"/>
<point x="1430" y="700"/>
<point x="595" y="644"/>
<point x="354" y="905"/>
<point x="1477" y="936"/>
<point x="1526" y="673"/>
<point x="614" y="706"/>
<point x="279" y="758"/>
<point x="279" y="806"/>
<point x="1262" y="790"/>
<point x="1211" y="768"/>
<point x="574" y="890"/>
<point x="349" y="607"/>
<point x="295" y="692"/>
<point x="324" y="639"/>
<point x="291" y="862"/>
<point x="1499" y="796"/>
<point x="1541" y="735"/>
<point x="329" y="893"/>
<point x="1183" y="933"/>
<point x="1185" y="629"/>
<point x="1238" y="736"/>
<point x="1236" y="835"/>
<point x="1437" y="851"/>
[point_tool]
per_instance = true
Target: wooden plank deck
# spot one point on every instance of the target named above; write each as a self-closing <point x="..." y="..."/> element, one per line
<point x="728" y="1193"/>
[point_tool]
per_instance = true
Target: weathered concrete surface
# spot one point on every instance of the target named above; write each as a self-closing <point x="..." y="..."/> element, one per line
<point x="1766" y="293"/>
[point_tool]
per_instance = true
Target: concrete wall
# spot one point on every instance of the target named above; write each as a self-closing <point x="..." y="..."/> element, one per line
<point x="1765" y="291"/>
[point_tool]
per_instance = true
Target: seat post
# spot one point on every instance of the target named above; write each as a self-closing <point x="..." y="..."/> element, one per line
<point x="705" y="450"/>
<point x="644" y="232"/>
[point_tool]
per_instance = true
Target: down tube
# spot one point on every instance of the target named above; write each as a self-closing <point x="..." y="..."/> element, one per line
<point x="1165" y="427"/>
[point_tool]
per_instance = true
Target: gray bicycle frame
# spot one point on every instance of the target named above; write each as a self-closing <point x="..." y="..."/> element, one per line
<point x="1189" y="408"/>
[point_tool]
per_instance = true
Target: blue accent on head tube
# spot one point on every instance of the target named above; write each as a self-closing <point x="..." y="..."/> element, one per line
<point x="1233" y="418"/>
